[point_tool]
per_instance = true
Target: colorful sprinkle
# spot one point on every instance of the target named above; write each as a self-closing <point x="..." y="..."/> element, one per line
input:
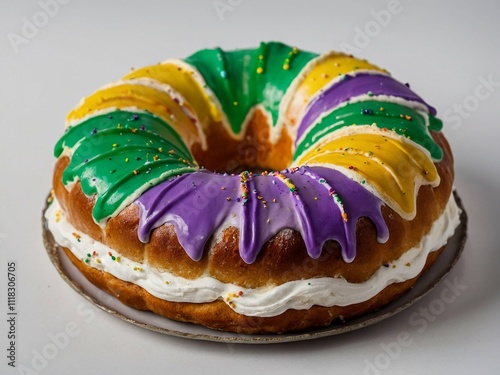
<point x="287" y="182"/>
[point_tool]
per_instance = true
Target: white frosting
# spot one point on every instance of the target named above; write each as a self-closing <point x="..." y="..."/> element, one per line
<point x="261" y="302"/>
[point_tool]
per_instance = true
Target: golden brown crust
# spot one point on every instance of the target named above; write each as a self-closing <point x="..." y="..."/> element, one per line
<point x="283" y="258"/>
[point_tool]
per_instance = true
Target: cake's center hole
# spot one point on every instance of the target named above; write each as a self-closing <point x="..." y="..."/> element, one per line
<point x="245" y="155"/>
<point x="254" y="153"/>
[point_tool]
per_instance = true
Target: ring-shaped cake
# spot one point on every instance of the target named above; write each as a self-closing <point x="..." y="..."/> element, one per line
<point x="260" y="190"/>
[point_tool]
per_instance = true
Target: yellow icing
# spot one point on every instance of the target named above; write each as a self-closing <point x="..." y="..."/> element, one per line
<point x="323" y="71"/>
<point x="144" y="97"/>
<point x="394" y="167"/>
<point x="182" y="79"/>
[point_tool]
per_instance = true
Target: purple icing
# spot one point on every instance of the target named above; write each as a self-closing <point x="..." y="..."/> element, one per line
<point x="352" y="86"/>
<point x="198" y="203"/>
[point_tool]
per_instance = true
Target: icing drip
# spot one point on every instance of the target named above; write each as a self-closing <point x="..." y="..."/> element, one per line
<point x="242" y="79"/>
<point x="351" y="86"/>
<point x="396" y="168"/>
<point x="359" y="128"/>
<point x="265" y="301"/>
<point x="320" y="203"/>
<point x="118" y="156"/>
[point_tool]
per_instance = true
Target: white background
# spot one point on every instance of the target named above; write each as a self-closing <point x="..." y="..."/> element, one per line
<point x="447" y="51"/>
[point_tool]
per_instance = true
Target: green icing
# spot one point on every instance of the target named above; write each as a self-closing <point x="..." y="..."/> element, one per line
<point x="403" y="120"/>
<point x="435" y="124"/>
<point x="124" y="119"/>
<point x="119" y="155"/>
<point x="243" y="78"/>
